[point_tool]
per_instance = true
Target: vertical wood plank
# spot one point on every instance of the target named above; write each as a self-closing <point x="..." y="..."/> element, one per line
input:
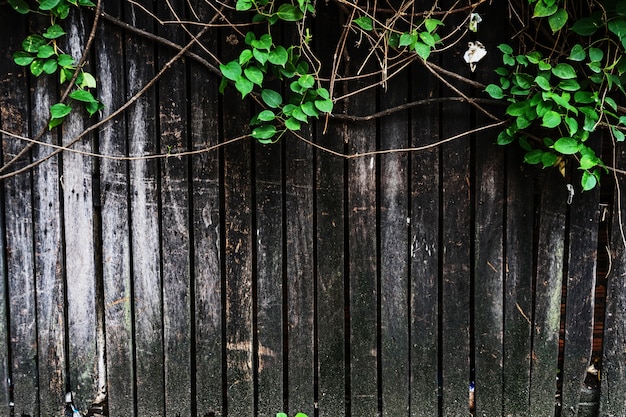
<point x="456" y="246"/>
<point x="300" y="274"/>
<point x="204" y="130"/>
<point x="79" y="243"/>
<point x="363" y="267"/>
<point x="145" y="247"/>
<point x="579" y="304"/>
<point x="238" y="203"/>
<point x="175" y="222"/>
<point x="547" y="303"/>
<point x="613" y="383"/>
<point x="519" y="249"/>
<point x="18" y="230"/>
<point x="394" y="259"/>
<point x="330" y="239"/>
<point x="269" y="236"/>
<point x="115" y="215"/>
<point x="425" y="254"/>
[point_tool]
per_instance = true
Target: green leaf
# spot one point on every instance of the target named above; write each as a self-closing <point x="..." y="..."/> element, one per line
<point x="588" y="161"/>
<point x="292" y="124"/>
<point x="494" y="91"/>
<point x="22" y="58"/>
<point x="244" y="86"/>
<point x="32" y="43"/>
<point x="266" y="116"/>
<point x="588" y="181"/>
<point x="517" y="109"/>
<point x="86" y="3"/>
<point x="522" y="123"/>
<point x="245" y="56"/>
<point x="299" y="115"/>
<point x="569" y="85"/>
<point x="543" y="82"/>
<point x="618" y="134"/>
<point x="62" y="10"/>
<point x="254" y="74"/>
<point x="591" y="118"/>
<point x="566" y="146"/>
<point x="544" y="10"/>
<point x="88" y="81"/>
<point x="19" y="6"/>
<point x="36" y="67"/>
<point x="505" y="49"/>
<point x="65" y="60"/>
<point x="231" y="70"/>
<point x="564" y="71"/>
<point x="548" y="159"/>
<point x="618" y="27"/>
<point x="278" y="56"/>
<point x="431" y="24"/>
<point x="289" y="13"/>
<point x="50" y="66"/>
<point x="60" y="110"/>
<point x="271" y="98"/>
<point x="45" y="51"/>
<point x="260" y="56"/>
<point x="428" y="39"/>
<point x="596" y="54"/>
<point x="83" y="95"/>
<point x="572" y="125"/>
<point x="306" y="81"/>
<point x="264" y="42"/>
<point x="93" y="107"/>
<point x="422" y="50"/>
<point x="533" y="157"/>
<point x="587" y="25"/>
<point x="407" y="39"/>
<point x="557" y="20"/>
<point x="308" y="108"/>
<point x="264" y="132"/>
<point x="243" y="5"/>
<point x="48" y="4"/>
<point x="364" y="22"/>
<point x="504" y="138"/>
<point x="577" y="53"/>
<point x="325" y="106"/>
<point x="53" y="32"/>
<point x="551" y="119"/>
<point x="585" y="97"/>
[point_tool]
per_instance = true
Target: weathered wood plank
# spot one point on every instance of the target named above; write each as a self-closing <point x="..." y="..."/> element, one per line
<point x="78" y="226"/>
<point x="424" y="250"/>
<point x="613" y="384"/>
<point x="175" y="222"/>
<point x="519" y="248"/>
<point x="207" y="232"/>
<point x="362" y="257"/>
<point x="145" y="247"/>
<point x="238" y="252"/>
<point x="456" y="255"/>
<point x="579" y="304"/>
<point x="18" y="229"/>
<point x="300" y="274"/>
<point x="394" y="259"/>
<point x="548" y="286"/>
<point x="115" y="225"/>
<point x="270" y="278"/>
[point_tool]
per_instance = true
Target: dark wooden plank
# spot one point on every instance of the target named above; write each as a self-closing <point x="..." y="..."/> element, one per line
<point x="146" y="259"/>
<point x="425" y="254"/>
<point x="78" y="215"/>
<point x="269" y="276"/>
<point x="300" y="273"/>
<point x="115" y="226"/>
<point x="579" y="303"/>
<point x="175" y="221"/>
<point x="489" y="235"/>
<point x="330" y="238"/>
<point x="204" y="130"/>
<point x="394" y="257"/>
<point x="518" y="278"/>
<point x="238" y="253"/>
<point x="548" y="286"/>
<point x="18" y="228"/>
<point x="362" y="254"/>
<point x="613" y="383"/>
<point x="456" y="246"/>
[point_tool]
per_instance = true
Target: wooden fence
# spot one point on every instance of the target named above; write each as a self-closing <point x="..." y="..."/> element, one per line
<point x="252" y="279"/>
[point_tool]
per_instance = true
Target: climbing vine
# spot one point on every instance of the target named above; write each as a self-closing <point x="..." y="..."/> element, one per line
<point x="560" y="82"/>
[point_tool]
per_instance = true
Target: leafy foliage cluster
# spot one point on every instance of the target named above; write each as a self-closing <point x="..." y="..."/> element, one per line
<point x="561" y="93"/>
<point x="42" y="53"/>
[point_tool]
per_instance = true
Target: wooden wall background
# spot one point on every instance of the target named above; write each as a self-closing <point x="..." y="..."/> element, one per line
<point x="254" y="279"/>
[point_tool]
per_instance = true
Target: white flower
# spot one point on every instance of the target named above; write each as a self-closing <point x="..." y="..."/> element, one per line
<point x="475" y="52"/>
